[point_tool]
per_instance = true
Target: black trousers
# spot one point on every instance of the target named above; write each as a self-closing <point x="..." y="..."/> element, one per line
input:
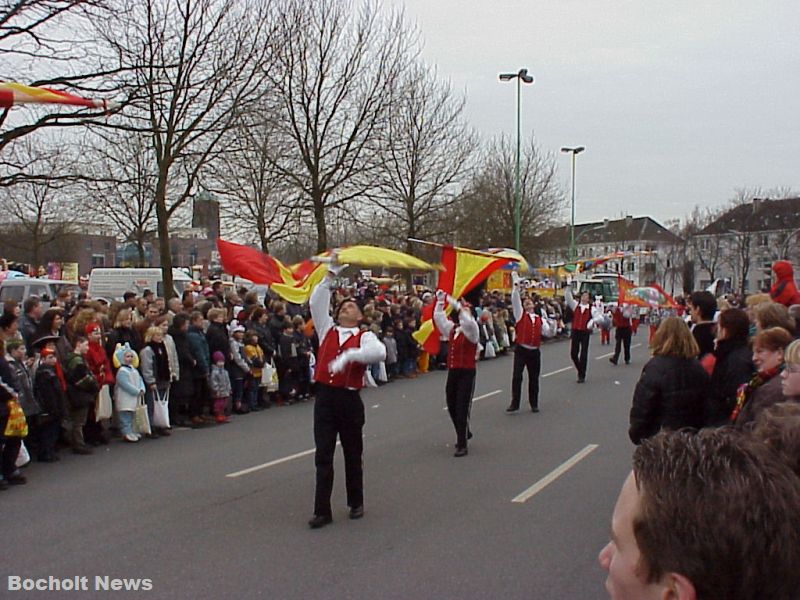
<point x="458" y="391"/>
<point x="10" y="450"/>
<point x="338" y="412"/>
<point x="623" y="336"/>
<point x="531" y="359"/>
<point x="579" y="351"/>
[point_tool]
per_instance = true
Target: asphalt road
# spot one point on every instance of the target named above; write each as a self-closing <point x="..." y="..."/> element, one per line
<point x="436" y="527"/>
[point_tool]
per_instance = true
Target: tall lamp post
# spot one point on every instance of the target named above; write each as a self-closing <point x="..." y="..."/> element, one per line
<point x="574" y="151"/>
<point x="522" y="77"/>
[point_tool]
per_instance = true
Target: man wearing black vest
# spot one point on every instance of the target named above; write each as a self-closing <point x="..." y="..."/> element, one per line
<point x="530" y="329"/>
<point x="344" y="352"/>
<point x="462" y="348"/>
<point x="582" y="322"/>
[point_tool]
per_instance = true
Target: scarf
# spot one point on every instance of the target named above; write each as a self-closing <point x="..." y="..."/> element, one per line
<point x="160" y="361"/>
<point x="745" y="391"/>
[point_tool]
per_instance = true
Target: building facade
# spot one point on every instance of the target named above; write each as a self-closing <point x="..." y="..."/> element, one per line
<point x="741" y="244"/>
<point x="630" y="234"/>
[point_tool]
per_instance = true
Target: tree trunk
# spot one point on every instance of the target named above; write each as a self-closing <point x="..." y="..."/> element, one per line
<point x="164" y="250"/>
<point x="319" y="219"/>
<point x="140" y="248"/>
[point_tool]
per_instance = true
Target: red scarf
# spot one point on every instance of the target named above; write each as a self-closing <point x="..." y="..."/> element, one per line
<point x="745" y="391"/>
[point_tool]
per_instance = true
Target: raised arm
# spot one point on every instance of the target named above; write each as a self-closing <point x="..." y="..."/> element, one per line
<point x="516" y="298"/>
<point x="443" y="324"/>
<point x="571" y="302"/>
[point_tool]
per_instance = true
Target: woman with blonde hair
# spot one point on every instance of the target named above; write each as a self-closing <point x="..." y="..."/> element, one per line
<point x="154" y="365"/>
<point x="673" y="388"/>
<point x="764" y="389"/>
<point x="790" y="378"/>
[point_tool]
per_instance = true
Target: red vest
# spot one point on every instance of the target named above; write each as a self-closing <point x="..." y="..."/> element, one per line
<point x="461" y="352"/>
<point x="620" y="320"/>
<point x="580" y="318"/>
<point x="528" y="332"/>
<point x="353" y="374"/>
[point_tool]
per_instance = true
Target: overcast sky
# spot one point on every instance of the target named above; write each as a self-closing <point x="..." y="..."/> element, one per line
<point x="678" y="102"/>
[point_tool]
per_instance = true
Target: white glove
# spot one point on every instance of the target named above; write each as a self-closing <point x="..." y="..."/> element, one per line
<point x="338" y="364"/>
<point x="454" y="304"/>
<point x="335" y="268"/>
<point x="440" y="296"/>
<point x="515" y="278"/>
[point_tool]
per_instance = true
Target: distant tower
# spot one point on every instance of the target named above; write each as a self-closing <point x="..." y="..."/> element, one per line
<point x="206" y="214"/>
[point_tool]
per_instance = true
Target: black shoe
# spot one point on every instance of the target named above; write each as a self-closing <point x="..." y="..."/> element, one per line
<point x="320" y="521"/>
<point x="17" y="479"/>
<point x="3" y="484"/>
<point x="581" y="379"/>
<point x="534" y="409"/>
<point x="469" y="435"/>
<point x="357" y="512"/>
<point x="461" y="452"/>
<point x="627" y="362"/>
<point x="512" y="408"/>
<point x="47" y="458"/>
<point x="613" y="360"/>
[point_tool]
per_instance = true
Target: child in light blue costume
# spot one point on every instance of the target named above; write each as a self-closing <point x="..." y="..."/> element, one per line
<point x="128" y="389"/>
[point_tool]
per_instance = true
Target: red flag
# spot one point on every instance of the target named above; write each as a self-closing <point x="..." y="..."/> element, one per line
<point x="249" y="263"/>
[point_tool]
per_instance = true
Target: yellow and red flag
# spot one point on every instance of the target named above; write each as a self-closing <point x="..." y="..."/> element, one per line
<point x="16" y="93"/>
<point x="650" y="296"/>
<point x="463" y="270"/>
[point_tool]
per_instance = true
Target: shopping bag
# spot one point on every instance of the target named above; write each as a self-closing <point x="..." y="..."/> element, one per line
<point x="23" y="458"/>
<point x="16" y="426"/>
<point x="161" y="410"/>
<point x="382" y="376"/>
<point x="141" y="420"/>
<point x="490" y="351"/>
<point x="269" y="377"/>
<point x="102" y="404"/>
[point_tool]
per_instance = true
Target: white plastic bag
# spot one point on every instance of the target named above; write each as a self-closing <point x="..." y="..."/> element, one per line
<point x="269" y="377"/>
<point x="141" y="420"/>
<point x="382" y="375"/>
<point x="161" y="410"/>
<point x="102" y="406"/>
<point x="23" y="458"/>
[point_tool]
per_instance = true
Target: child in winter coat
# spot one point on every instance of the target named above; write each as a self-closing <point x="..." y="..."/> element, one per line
<point x="82" y="389"/>
<point x="391" y="352"/>
<point x="220" y="383"/>
<point x="238" y="369"/>
<point x="289" y="364"/>
<point x="128" y="390"/>
<point x="254" y="355"/>
<point x="52" y="403"/>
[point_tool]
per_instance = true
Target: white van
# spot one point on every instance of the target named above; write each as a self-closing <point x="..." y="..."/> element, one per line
<point x="21" y="288"/>
<point x="111" y="284"/>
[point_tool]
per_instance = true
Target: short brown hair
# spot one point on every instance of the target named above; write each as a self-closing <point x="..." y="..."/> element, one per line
<point x="772" y="314"/>
<point x="779" y="428"/>
<point x="735" y="323"/>
<point x="774" y="338"/>
<point x="700" y="495"/>
<point x="673" y="338"/>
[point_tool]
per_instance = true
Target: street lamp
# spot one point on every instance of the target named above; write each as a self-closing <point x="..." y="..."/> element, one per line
<point x="574" y="151"/>
<point x="522" y="77"/>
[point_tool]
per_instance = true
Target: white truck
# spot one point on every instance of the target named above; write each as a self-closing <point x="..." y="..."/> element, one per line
<point x="111" y="284"/>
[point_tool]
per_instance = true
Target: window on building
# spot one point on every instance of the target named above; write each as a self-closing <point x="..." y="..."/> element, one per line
<point x="631" y="267"/>
<point x="98" y="260"/>
<point x="763" y="240"/>
<point x="631" y="247"/>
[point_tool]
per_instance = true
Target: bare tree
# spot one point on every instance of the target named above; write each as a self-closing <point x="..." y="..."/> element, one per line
<point x="337" y="69"/>
<point x="51" y="43"/>
<point x="120" y="185"/>
<point x="708" y="250"/>
<point x="427" y="152"/>
<point x="196" y="65"/>
<point x="39" y="209"/>
<point x="740" y="257"/>
<point x="257" y="202"/>
<point x="486" y="208"/>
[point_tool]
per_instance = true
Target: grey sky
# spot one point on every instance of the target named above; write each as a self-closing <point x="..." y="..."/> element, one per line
<point x="678" y="102"/>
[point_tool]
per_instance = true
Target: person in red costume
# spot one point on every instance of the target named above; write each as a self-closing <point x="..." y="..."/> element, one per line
<point x="784" y="291"/>
<point x="343" y="355"/>
<point x="97" y="360"/>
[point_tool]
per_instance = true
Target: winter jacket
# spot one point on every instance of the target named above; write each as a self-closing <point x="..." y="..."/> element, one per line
<point x="121" y="335"/>
<point x="265" y="339"/>
<point x="99" y="364"/>
<point x="82" y="387"/>
<point x="254" y="355"/>
<point x="27" y="329"/>
<point x="733" y="367"/>
<point x="391" y="349"/>
<point x="22" y="382"/>
<point x="199" y="347"/>
<point x="219" y="382"/>
<point x="48" y="393"/>
<point x="218" y="340"/>
<point x="128" y="388"/>
<point x="184" y="386"/>
<point x="172" y="355"/>
<point x="704" y="334"/>
<point x="671" y="393"/>
<point x="784" y="290"/>
<point x="238" y="366"/>
<point x="761" y="399"/>
<point x="154" y="365"/>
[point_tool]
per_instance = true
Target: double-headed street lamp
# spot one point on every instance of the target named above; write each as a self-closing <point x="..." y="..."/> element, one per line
<point x="522" y="77"/>
<point x="574" y="151"/>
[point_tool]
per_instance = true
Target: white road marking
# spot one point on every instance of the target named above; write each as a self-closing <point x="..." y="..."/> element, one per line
<point x="487" y="395"/>
<point x="554" y="474"/>
<point x="272" y="463"/>
<point x="612" y="354"/>
<point x="556" y="372"/>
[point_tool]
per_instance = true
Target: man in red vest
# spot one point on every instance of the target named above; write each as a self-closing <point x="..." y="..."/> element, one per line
<point x="622" y="323"/>
<point x="344" y="352"/>
<point x="462" y="348"/>
<point x="530" y="329"/>
<point x="582" y="323"/>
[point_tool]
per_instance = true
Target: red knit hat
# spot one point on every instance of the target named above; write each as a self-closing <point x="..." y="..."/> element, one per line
<point x="90" y="327"/>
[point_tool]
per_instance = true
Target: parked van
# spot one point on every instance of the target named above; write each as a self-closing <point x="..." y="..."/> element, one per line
<point x="111" y="284"/>
<point x="20" y="288"/>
